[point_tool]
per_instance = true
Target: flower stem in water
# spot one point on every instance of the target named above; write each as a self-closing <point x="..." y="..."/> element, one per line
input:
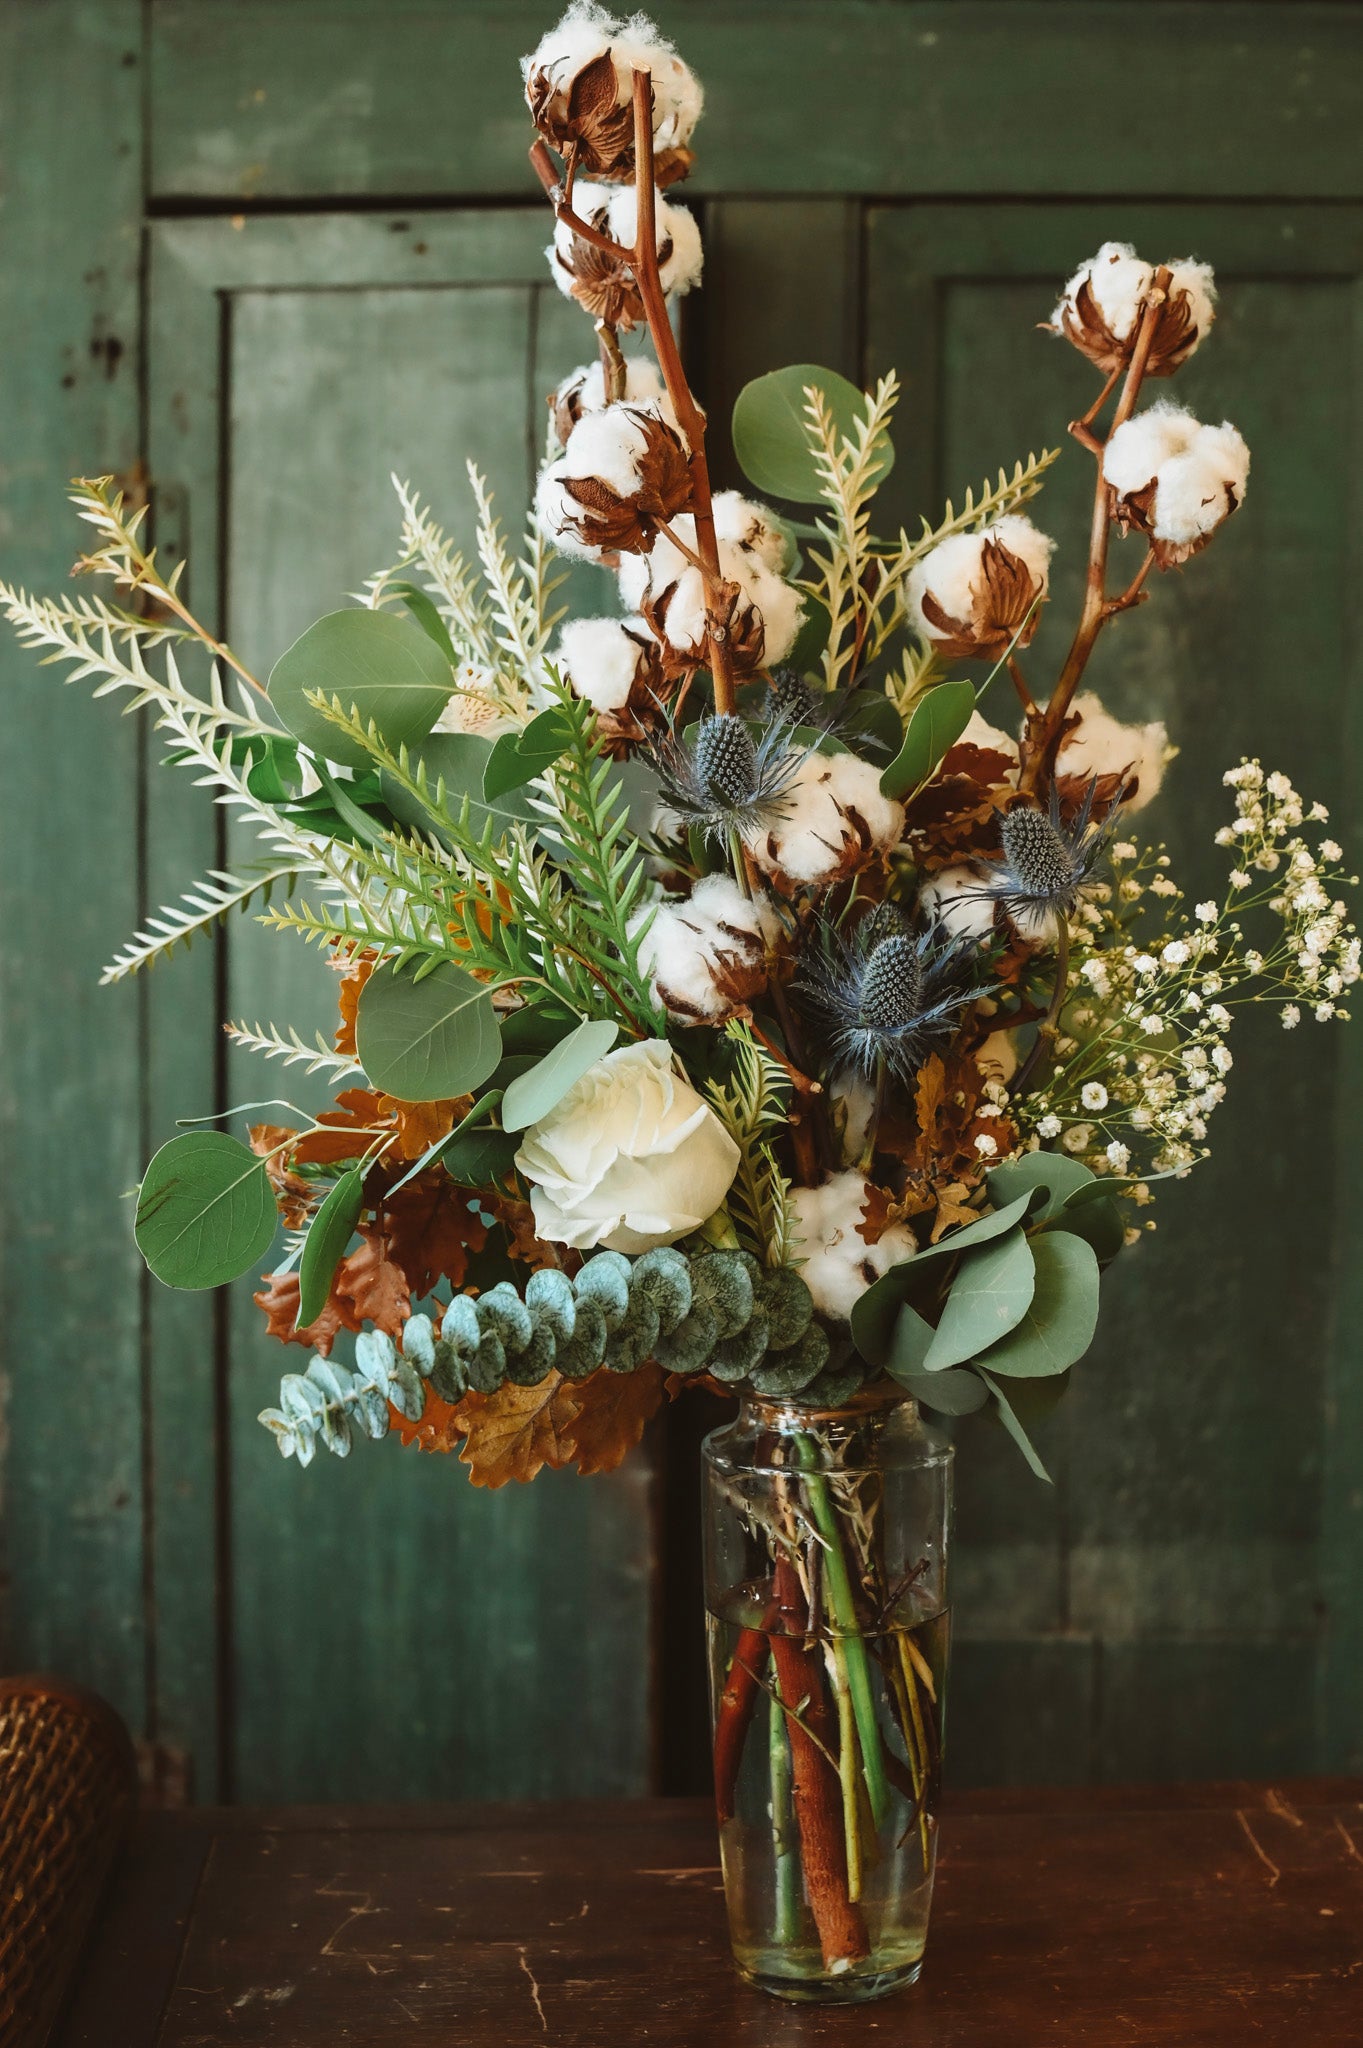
<point x="784" y="1835"/>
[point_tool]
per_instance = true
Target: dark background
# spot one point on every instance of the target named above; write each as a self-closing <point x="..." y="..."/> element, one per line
<point x="254" y="254"/>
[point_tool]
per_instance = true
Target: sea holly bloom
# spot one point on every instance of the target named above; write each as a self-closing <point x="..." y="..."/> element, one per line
<point x="1174" y="479"/>
<point x="977" y="593"/>
<point x="728" y="783"/>
<point x="886" y="997"/>
<point x="1046" y="862"/>
<point x="1100" y="309"/>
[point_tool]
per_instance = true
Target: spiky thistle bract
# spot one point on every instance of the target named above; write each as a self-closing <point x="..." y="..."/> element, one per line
<point x="727" y="781"/>
<point x="888" y="995"/>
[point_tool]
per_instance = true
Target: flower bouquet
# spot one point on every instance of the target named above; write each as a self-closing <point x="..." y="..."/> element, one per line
<point x="727" y="999"/>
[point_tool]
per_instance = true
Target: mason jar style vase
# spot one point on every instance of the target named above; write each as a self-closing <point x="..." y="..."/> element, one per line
<point x="826" y="1536"/>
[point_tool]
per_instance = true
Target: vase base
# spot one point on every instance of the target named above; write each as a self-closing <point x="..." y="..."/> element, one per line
<point x="851" y="1987"/>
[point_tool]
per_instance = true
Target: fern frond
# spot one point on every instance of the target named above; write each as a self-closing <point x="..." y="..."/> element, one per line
<point x="274" y="1044"/>
<point x="449" y="580"/>
<point x="518" y="626"/>
<point x="750" y="1105"/>
<point x="206" y="904"/>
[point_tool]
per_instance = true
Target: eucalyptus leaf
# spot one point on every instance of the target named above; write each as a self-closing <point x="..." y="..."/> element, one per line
<point x="955" y="1391"/>
<point x="423" y="610"/>
<point x="870" y="721"/>
<point x="937" y="722"/>
<point x="539" y="1027"/>
<point x="517" y="757"/>
<point x="1009" y="1418"/>
<point x="205" y="1210"/>
<point x="328" y="1235"/>
<point x="1063" y="1178"/>
<point x="425" y="1041"/>
<point x="476" y="1158"/>
<point x="913" y="1336"/>
<point x="1057" y="1324"/>
<point x="875" y="1312"/>
<point x="812" y="638"/>
<point x="378" y="662"/>
<point x="533" y="1095"/>
<point x="988" y="1297"/>
<point x="771" y="434"/>
<point x="1099" y="1223"/>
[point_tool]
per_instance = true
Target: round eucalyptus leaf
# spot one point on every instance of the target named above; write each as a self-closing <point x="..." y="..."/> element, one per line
<point x="937" y="722"/>
<point x="913" y="1337"/>
<point x="329" y="1233"/>
<point x="1057" y="1325"/>
<point x="771" y="433"/>
<point x="426" y="1040"/>
<point x="875" y="1313"/>
<point x="205" y="1210"/>
<point x="988" y="1297"/>
<point x="475" y="1159"/>
<point x="1098" y="1222"/>
<point x="954" y="1391"/>
<point x="1062" y="1178"/>
<point x="532" y="1096"/>
<point x="378" y="662"/>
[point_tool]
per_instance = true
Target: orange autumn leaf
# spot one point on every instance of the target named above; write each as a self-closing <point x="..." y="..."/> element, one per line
<point x="293" y="1195"/>
<point x="431" y="1230"/>
<point x="420" y="1124"/>
<point x="355" y="972"/>
<point x="279" y="1299"/>
<point x="345" y="1130"/>
<point x="614" y="1407"/>
<point x="518" y="1220"/>
<point x="373" y="1283"/>
<point x="515" y="1432"/>
<point x="441" y="1427"/>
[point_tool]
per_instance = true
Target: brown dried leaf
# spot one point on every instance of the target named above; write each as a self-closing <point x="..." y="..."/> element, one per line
<point x="431" y="1230"/>
<point x="279" y="1299"/>
<point x="346" y="1130"/>
<point x="515" y="1432"/>
<point x="615" y="1407"/>
<point x="293" y="1195"/>
<point x="373" y="1283"/>
<point x="440" y="1427"/>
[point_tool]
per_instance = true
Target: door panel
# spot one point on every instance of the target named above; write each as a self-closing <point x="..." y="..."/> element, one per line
<point x="1194" y="1525"/>
<point x="387" y="1630"/>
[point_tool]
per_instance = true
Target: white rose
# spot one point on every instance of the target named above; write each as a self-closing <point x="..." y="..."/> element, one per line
<point x="630" y="1158"/>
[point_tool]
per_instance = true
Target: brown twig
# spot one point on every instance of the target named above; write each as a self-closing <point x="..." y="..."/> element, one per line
<point x="1046" y="731"/>
<point x="1025" y="696"/>
<point x="614" y="373"/>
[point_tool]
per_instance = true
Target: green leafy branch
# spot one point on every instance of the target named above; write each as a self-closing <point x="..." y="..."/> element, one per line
<point x="274" y="1044"/>
<point x="200" y="908"/>
<point x="752" y="1105"/>
<point x="849" y="467"/>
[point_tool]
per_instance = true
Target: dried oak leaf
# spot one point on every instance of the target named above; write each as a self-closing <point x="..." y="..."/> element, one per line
<point x="370" y="1279"/>
<point x="354" y="970"/>
<point x="515" y="1432"/>
<point x="614" y="1409"/>
<point x="345" y="1130"/>
<point x="420" y="1124"/>
<point x="518" y="1220"/>
<point x="441" y="1427"/>
<point x="431" y="1229"/>
<point x="279" y="1299"/>
<point x="293" y="1195"/>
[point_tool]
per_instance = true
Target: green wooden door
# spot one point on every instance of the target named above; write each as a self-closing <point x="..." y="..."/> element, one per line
<point x="343" y="277"/>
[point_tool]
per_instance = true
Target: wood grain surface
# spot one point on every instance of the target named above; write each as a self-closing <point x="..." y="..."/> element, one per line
<point x="1198" y="1917"/>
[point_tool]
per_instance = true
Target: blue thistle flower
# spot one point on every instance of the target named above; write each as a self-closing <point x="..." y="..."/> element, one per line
<point x="1046" y="862"/>
<point x="888" y="996"/>
<point x="728" y="782"/>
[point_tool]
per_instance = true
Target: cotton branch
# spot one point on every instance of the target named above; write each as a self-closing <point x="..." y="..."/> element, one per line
<point x="643" y="261"/>
<point x="1045" y="732"/>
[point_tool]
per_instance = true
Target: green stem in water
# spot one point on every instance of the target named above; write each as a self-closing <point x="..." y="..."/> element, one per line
<point x="842" y="1608"/>
<point x="847" y="1763"/>
<point x="785" y="1840"/>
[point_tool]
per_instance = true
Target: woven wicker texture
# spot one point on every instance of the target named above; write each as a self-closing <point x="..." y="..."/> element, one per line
<point x="68" y="1788"/>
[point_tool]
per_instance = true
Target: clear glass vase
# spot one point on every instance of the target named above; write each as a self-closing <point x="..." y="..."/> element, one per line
<point x="826" y="1536"/>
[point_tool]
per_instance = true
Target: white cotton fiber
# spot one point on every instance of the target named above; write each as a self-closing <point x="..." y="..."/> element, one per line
<point x="600" y="659"/>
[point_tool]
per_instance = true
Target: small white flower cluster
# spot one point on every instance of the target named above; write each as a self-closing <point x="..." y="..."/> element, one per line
<point x="753" y="551"/>
<point x="707" y="955"/>
<point x="1175" y="479"/>
<point x="587" y="33"/>
<point x="1144" y="1058"/>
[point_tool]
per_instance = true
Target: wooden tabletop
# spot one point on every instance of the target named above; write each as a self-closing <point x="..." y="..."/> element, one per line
<point x="1193" y="1916"/>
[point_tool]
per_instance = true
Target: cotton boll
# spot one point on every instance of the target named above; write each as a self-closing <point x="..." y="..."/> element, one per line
<point x="1100" y="310"/>
<point x="671" y="594"/>
<point x="971" y="594"/>
<point x="1175" y="479"/>
<point x="752" y="528"/>
<point x="954" y="899"/>
<point x="707" y="955"/>
<point x="997" y="1058"/>
<point x="601" y="124"/>
<point x="1101" y="745"/>
<point x="584" y="390"/>
<point x="680" y="256"/>
<point x="833" y="819"/>
<point x="989" y="738"/>
<point x="781" y="608"/>
<point x="611" y="444"/>
<point x="838" y="1264"/>
<point x="600" y="658"/>
<point x="623" y="472"/>
<point x="556" y="511"/>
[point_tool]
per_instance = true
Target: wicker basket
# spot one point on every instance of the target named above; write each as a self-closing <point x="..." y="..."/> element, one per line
<point x="68" y="1789"/>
